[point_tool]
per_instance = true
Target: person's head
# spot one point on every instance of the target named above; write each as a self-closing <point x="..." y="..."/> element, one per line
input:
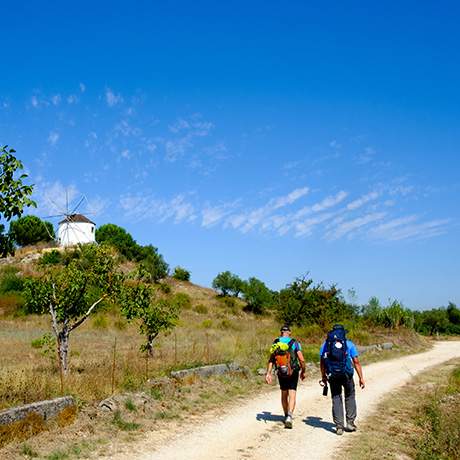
<point x="285" y="330"/>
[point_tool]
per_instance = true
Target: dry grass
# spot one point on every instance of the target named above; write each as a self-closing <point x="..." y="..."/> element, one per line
<point x="210" y="330"/>
<point x="400" y="428"/>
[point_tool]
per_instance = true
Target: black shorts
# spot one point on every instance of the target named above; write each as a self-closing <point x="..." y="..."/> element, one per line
<point x="289" y="383"/>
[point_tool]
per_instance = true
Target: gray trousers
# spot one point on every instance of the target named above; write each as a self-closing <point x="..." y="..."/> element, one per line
<point x="336" y="383"/>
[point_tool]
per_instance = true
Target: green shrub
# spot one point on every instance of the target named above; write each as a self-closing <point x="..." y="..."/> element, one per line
<point x="10" y="281"/>
<point x="123" y="424"/>
<point x="207" y="323"/>
<point x="129" y="405"/>
<point x="181" y="274"/>
<point x="201" y="309"/>
<point x="164" y="288"/>
<point x="440" y="422"/>
<point x="53" y="257"/>
<point x="182" y="300"/>
<point x="100" y="322"/>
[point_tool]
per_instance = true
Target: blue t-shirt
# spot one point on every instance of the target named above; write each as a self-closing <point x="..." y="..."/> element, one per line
<point x="295" y="346"/>
<point x="352" y="353"/>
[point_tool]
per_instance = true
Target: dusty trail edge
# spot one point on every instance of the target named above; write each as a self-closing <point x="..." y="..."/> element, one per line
<point x="253" y="429"/>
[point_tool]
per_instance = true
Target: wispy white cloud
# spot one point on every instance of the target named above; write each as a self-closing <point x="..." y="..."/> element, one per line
<point x="305" y="227"/>
<point x="409" y="227"/>
<point x="37" y="102"/>
<point x="112" y="98"/>
<point x="96" y="206"/>
<point x="248" y="220"/>
<point x="72" y="99"/>
<point x="363" y="200"/>
<point x="126" y="129"/>
<point x="176" y="148"/>
<point x="346" y="227"/>
<point x="56" y="99"/>
<point x="366" y="156"/>
<point x="212" y="215"/>
<point x="53" y="198"/>
<point x="188" y="130"/>
<point x="53" y="138"/>
<point x="125" y="154"/>
<point x="326" y="203"/>
<point x="82" y="87"/>
<point x="140" y="207"/>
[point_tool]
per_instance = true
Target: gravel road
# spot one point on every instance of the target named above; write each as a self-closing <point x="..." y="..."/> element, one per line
<point x="254" y="430"/>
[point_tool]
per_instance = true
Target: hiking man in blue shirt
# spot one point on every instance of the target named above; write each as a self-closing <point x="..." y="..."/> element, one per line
<point x="338" y="358"/>
<point x="286" y="355"/>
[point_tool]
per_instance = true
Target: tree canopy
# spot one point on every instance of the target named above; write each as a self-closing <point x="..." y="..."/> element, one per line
<point x="14" y="195"/>
<point x="30" y="230"/>
<point x="70" y="293"/>
<point x="257" y="295"/>
<point x="228" y="284"/>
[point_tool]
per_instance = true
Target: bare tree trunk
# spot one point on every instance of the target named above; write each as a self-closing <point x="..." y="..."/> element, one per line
<point x="63" y="345"/>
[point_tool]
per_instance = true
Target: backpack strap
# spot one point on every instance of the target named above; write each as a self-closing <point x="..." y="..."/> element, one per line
<point x="291" y="343"/>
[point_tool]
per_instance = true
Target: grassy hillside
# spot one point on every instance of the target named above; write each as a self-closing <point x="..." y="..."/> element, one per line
<point x="105" y="359"/>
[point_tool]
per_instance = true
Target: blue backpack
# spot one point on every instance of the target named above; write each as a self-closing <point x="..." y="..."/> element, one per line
<point x="335" y="352"/>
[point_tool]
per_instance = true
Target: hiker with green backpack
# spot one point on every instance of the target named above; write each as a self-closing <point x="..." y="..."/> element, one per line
<point x="287" y="359"/>
<point x="339" y="358"/>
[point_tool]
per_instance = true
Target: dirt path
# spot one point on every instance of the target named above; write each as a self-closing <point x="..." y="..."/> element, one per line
<point x="255" y="431"/>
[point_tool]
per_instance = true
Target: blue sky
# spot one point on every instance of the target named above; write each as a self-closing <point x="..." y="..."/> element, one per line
<point x="264" y="138"/>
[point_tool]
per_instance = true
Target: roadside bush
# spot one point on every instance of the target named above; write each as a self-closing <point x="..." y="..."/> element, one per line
<point x="181" y="274"/>
<point x="440" y="422"/>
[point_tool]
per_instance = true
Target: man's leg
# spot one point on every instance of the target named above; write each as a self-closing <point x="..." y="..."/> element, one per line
<point x="337" y="402"/>
<point x="292" y="398"/>
<point x="285" y="401"/>
<point x="350" y="400"/>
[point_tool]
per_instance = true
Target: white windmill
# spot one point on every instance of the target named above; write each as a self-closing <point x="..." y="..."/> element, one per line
<point x="74" y="228"/>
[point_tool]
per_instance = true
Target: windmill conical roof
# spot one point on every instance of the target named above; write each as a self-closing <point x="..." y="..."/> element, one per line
<point x="74" y="218"/>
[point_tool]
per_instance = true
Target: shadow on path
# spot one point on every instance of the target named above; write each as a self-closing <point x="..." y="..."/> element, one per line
<point x="318" y="422"/>
<point x="269" y="417"/>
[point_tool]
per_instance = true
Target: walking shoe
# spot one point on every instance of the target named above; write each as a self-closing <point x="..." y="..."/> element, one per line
<point x="351" y="426"/>
<point x="288" y="421"/>
<point x="339" y="431"/>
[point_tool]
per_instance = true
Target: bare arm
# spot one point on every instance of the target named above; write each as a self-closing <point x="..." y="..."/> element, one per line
<point x="359" y="370"/>
<point x="268" y="375"/>
<point x="302" y="364"/>
<point x="323" y="371"/>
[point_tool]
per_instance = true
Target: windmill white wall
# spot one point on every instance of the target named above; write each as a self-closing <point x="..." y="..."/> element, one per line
<point x="76" y="229"/>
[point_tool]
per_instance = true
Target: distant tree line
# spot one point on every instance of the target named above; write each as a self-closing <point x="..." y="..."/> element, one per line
<point x="304" y="303"/>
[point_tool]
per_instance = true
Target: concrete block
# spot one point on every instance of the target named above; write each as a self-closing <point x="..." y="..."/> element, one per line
<point x="46" y="409"/>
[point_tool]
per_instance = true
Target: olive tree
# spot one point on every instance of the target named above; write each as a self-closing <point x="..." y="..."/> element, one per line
<point x="228" y="284"/>
<point x="70" y="293"/>
<point x="14" y="195"/>
<point x="155" y="314"/>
